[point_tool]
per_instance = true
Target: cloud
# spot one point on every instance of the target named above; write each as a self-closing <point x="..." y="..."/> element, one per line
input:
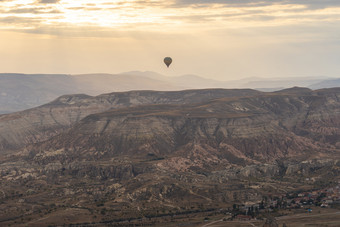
<point x="49" y="1"/>
<point x="316" y="4"/>
<point x="177" y="16"/>
<point x="21" y="22"/>
<point x="224" y="2"/>
<point x="252" y="3"/>
<point x="37" y="10"/>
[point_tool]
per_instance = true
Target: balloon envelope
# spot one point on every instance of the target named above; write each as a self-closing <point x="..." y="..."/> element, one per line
<point x="167" y="61"/>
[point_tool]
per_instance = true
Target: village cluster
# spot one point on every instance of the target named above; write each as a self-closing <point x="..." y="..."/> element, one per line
<point x="322" y="198"/>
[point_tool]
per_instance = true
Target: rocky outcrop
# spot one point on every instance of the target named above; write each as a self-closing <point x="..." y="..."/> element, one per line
<point x="239" y="130"/>
<point x="41" y="123"/>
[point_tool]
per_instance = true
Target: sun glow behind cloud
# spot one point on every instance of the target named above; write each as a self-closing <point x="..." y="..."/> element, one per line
<point x="155" y="15"/>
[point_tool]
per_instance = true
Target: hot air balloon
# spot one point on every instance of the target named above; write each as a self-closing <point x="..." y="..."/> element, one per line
<point x="167" y="61"/>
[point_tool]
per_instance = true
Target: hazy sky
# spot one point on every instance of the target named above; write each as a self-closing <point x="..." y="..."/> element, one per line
<point x="221" y="39"/>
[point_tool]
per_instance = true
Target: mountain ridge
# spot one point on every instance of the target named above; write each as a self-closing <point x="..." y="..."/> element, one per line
<point x="39" y="123"/>
<point x="259" y="108"/>
<point x="24" y="91"/>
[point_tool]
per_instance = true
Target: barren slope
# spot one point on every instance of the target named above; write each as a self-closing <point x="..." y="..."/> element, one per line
<point x="38" y="124"/>
<point x="262" y="127"/>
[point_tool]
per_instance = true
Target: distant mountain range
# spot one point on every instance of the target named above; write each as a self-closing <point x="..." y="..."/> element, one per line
<point x="23" y="91"/>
